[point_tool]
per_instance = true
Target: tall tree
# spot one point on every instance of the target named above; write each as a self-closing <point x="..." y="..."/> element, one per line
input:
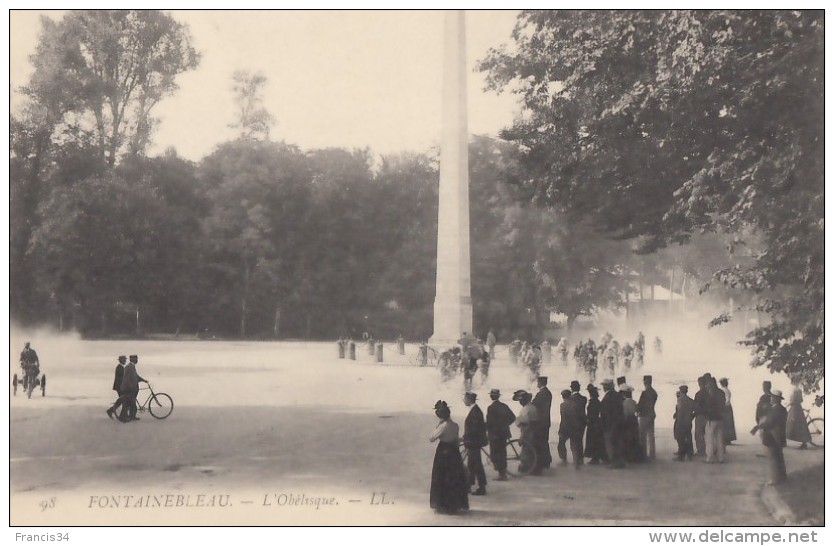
<point x="253" y="119"/>
<point x="659" y="124"/>
<point x="103" y="71"/>
<point x="259" y="194"/>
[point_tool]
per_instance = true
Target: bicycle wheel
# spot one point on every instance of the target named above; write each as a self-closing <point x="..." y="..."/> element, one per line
<point x="43" y="385"/>
<point x="816" y="427"/>
<point x="160" y="405"/>
<point x="14" y="384"/>
<point x="525" y="456"/>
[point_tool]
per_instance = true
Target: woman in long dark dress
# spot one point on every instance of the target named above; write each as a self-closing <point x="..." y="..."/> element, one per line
<point x="594" y="440"/>
<point x="449" y="487"/>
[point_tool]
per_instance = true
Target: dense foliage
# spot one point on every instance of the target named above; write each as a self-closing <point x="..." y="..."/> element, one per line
<point x="655" y="125"/>
<point x="650" y="141"/>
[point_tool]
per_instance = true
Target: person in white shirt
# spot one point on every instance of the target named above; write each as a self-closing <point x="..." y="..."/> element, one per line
<point x="527" y="423"/>
<point x="729" y="418"/>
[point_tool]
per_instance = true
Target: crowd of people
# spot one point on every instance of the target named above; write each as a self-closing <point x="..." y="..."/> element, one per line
<point x="610" y="426"/>
<point x="612" y="430"/>
<point x="470" y="356"/>
<point x="613" y="356"/>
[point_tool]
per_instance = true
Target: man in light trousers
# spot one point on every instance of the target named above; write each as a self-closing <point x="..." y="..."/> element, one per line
<point x="716" y="400"/>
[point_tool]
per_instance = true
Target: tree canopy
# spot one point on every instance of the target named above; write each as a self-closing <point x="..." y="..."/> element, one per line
<point x="659" y="124"/>
<point x="101" y="72"/>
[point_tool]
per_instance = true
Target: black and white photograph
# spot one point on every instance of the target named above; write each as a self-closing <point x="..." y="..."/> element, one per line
<point x="418" y="268"/>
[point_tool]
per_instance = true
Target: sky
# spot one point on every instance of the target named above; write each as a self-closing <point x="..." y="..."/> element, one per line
<point x="349" y="79"/>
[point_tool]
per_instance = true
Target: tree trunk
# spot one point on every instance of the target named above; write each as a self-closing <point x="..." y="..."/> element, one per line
<point x="243" y="317"/>
<point x="244" y="299"/>
<point x="627" y="301"/>
<point x="276" y="325"/>
<point x="642" y="282"/>
<point x="570" y="323"/>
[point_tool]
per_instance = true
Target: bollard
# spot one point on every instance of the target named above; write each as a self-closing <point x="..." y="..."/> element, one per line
<point x="401" y="346"/>
<point x="341" y="349"/>
<point x="352" y="350"/>
<point x="370" y="346"/>
<point x="379" y="353"/>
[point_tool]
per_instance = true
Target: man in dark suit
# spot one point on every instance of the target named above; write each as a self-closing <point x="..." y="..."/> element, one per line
<point x="542" y="402"/>
<point x="474" y="438"/>
<point x="117" y="386"/>
<point x="612" y="417"/>
<point x="570" y="427"/>
<point x="700" y="408"/>
<point x="130" y="388"/>
<point x="580" y="401"/>
<point x="772" y="424"/>
<point x="646" y="416"/>
<point x="764" y="404"/>
<point x="498" y="421"/>
<point x="595" y="440"/>
<point x="684" y="413"/>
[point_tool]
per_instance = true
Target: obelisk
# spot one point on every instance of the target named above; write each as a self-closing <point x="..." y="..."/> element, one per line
<point x="453" y="300"/>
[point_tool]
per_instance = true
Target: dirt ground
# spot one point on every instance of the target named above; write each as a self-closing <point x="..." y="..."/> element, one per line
<point x="288" y="434"/>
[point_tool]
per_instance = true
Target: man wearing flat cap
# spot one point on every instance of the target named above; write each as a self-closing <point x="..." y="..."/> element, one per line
<point x="612" y="417"/>
<point x="772" y="426"/>
<point x="645" y="417"/>
<point x="474" y="438"/>
<point x="498" y="420"/>
<point x="682" y="429"/>
<point x="543" y="401"/>
<point x="528" y="427"/>
<point x="569" y="429"/>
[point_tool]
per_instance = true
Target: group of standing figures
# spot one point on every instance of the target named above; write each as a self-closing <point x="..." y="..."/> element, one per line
<point x="615" y="430"/>
<point x="611" y="430"/>
<point x="126" y="384"/>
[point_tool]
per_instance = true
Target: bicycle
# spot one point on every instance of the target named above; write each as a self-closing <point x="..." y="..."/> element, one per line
<point x="525" y="466"/>
<point x="431" y="358"/>
<point x="816" y="426"/>
<point x="159" y="404"/>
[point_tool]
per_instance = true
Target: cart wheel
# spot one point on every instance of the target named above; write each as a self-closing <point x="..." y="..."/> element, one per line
<point x="14" y="384"/>
<point x="43" y="386"/>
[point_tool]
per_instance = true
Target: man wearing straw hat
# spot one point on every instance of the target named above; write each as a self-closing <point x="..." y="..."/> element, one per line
<point x="498" y="420"/>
